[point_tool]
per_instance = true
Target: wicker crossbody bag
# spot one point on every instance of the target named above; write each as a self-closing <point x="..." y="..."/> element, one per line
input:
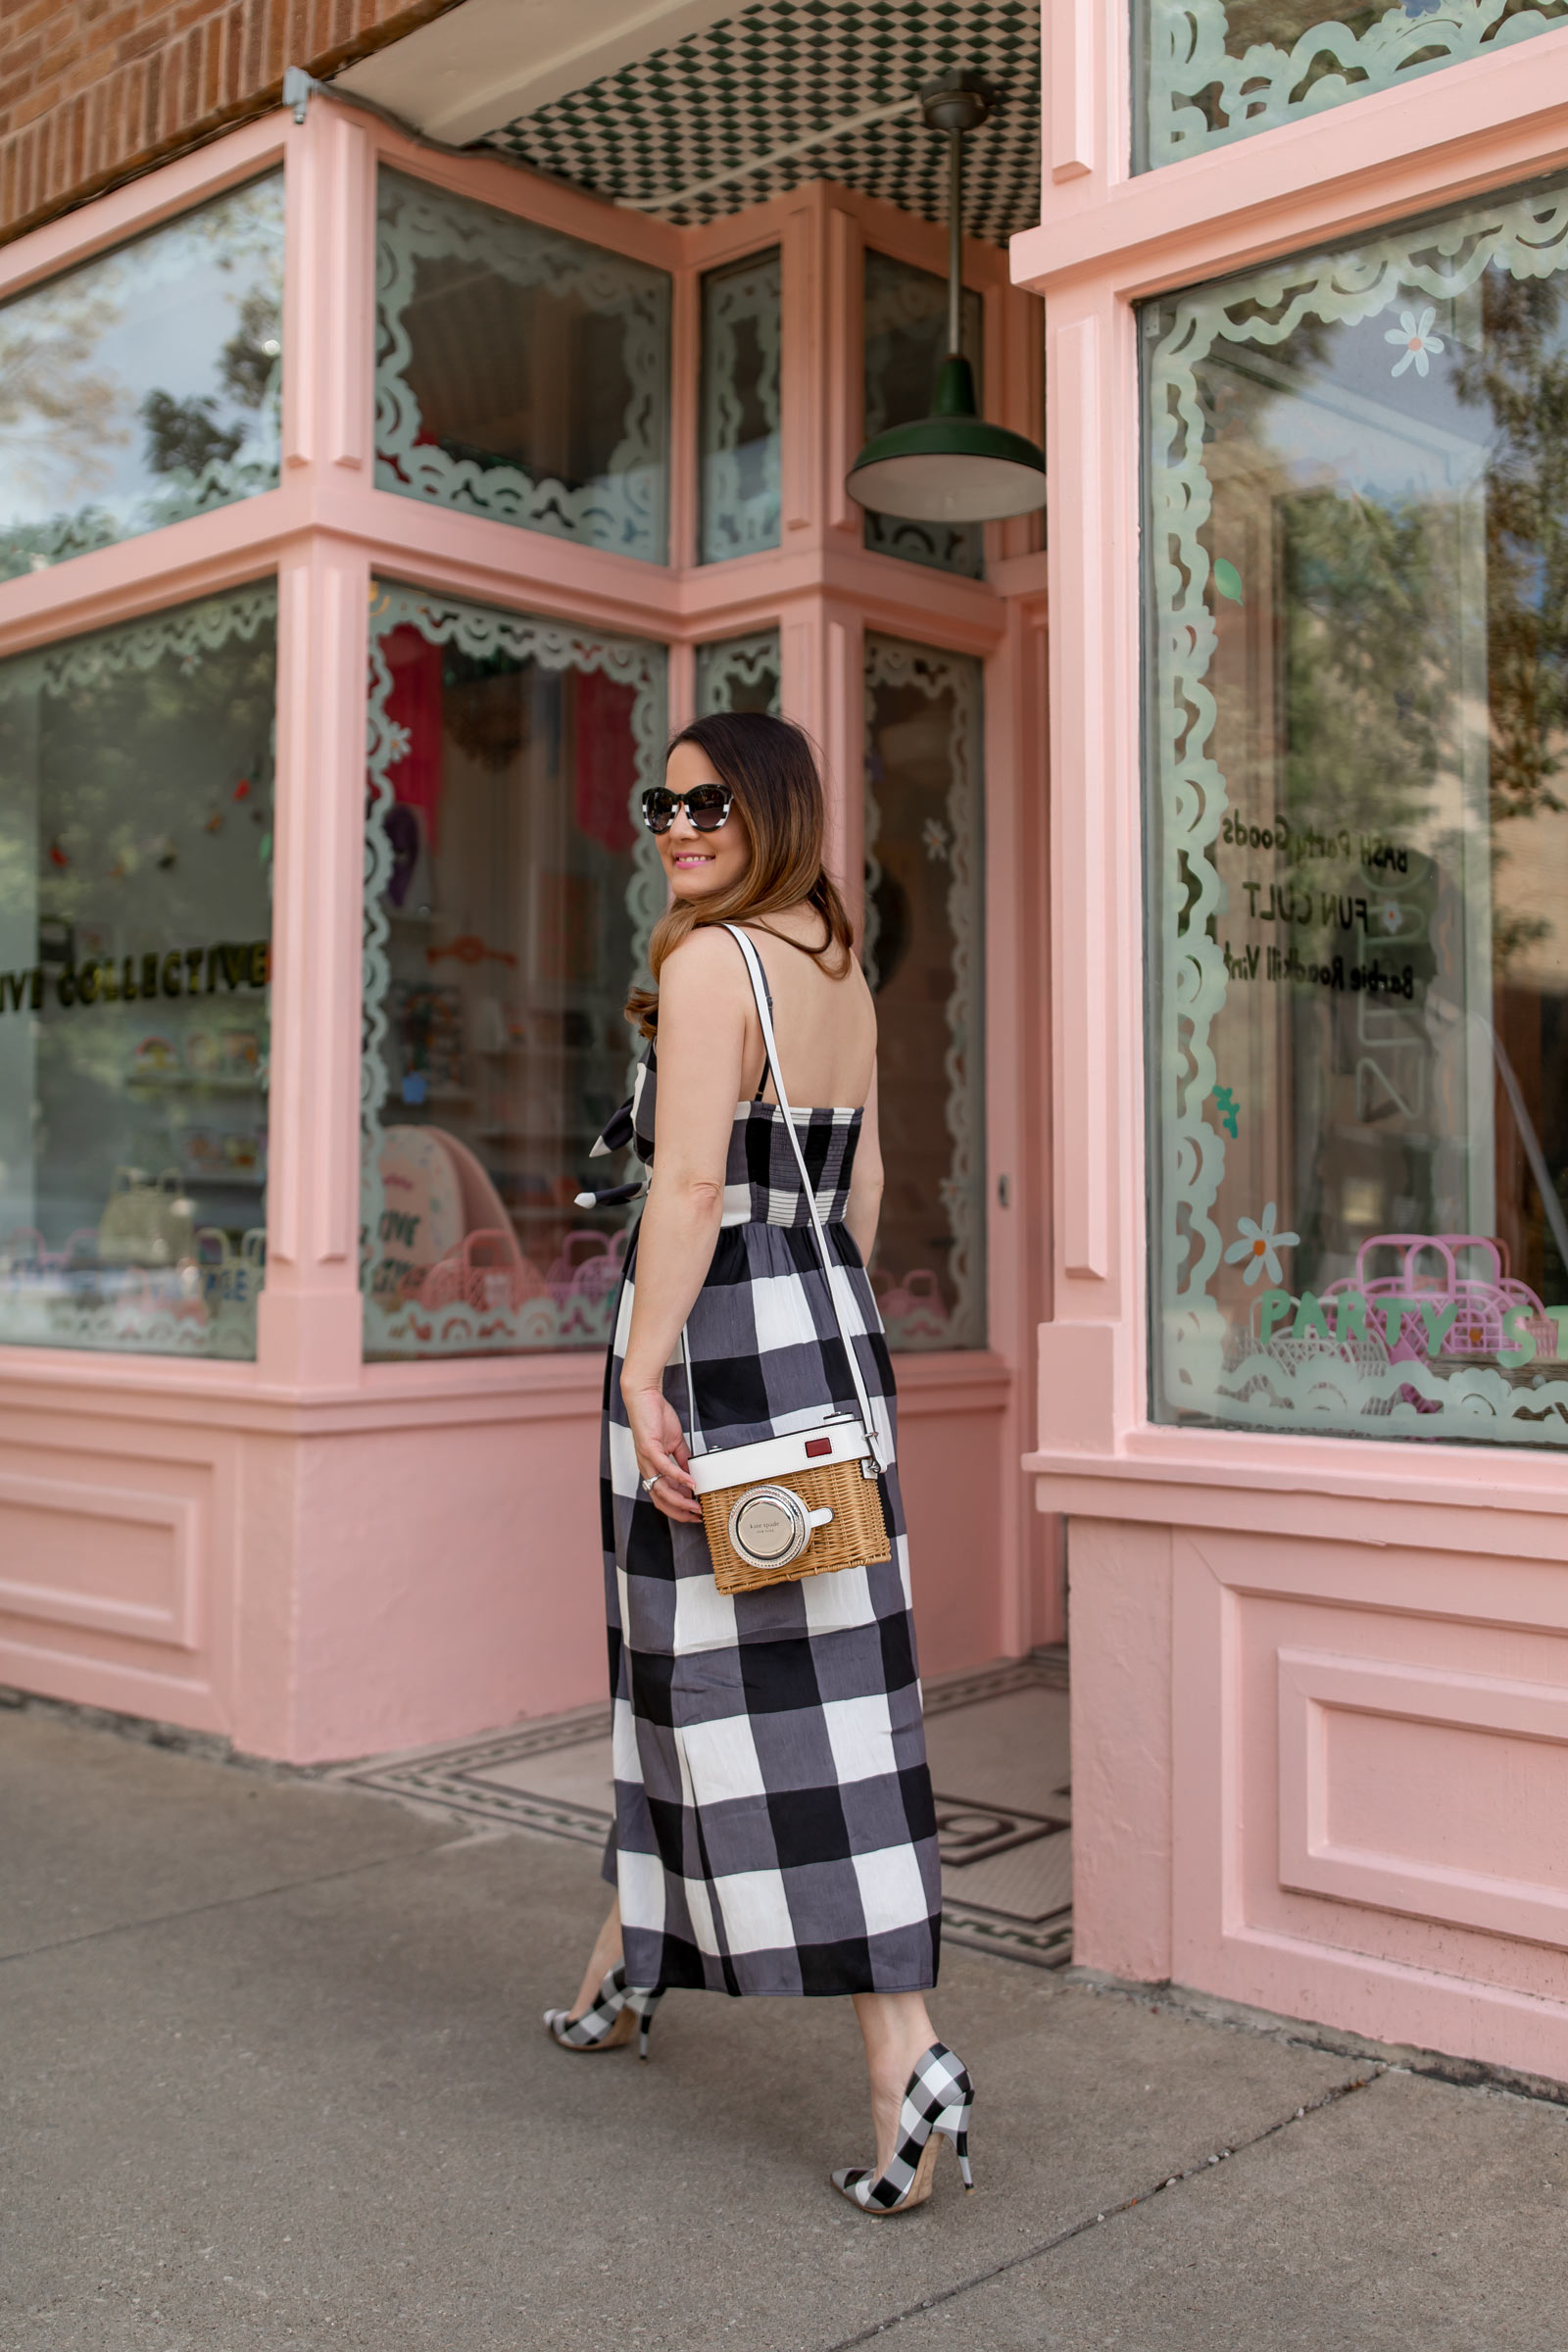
<point x="800" y="1504"/>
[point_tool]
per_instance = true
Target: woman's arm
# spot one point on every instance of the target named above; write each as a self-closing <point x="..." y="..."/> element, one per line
<point x="704" y="999"/>
<point x="866" y="1182"/>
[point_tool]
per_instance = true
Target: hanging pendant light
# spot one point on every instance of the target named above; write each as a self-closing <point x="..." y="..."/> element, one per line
<point x="952" y="467"/>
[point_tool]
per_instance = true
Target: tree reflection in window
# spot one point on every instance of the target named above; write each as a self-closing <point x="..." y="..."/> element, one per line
<point x="145" y="386"/>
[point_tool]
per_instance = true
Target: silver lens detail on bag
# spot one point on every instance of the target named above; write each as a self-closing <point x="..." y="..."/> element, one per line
<point x="771" y="1526"/>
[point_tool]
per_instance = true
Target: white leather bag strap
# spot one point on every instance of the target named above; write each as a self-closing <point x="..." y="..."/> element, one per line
<point x="832" y="1271"/>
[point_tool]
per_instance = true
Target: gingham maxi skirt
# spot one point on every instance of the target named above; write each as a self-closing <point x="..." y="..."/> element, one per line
<point x="775" y="1829"/>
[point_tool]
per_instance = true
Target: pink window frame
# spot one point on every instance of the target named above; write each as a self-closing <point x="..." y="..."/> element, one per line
<point x="1107" y="239"/>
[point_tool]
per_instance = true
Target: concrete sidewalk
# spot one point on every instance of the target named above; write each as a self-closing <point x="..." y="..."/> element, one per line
<point x="274" y="2075"/>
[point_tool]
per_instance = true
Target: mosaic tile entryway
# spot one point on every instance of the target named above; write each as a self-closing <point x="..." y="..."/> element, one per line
<point x="998" y="1745"/>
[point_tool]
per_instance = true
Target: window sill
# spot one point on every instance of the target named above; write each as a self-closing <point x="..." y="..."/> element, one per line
<point x="1470" y="1497"/>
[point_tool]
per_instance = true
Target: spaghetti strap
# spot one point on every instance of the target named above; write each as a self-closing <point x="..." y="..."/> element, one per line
<point x="768" y="994"/>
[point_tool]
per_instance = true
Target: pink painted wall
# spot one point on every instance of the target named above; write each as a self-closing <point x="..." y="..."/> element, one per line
<point x="322" y="1558"/>
<point x="1320" y="1687"/>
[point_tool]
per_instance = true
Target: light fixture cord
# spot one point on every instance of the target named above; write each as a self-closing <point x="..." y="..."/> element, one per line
<point x="955" y="241"/>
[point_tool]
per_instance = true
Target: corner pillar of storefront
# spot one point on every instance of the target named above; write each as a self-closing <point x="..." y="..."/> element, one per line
<point x="1240" y="1601"/>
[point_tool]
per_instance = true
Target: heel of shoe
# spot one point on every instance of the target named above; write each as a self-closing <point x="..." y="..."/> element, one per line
<point x="644" y="2004"/>
<point x="938" y="2104"/>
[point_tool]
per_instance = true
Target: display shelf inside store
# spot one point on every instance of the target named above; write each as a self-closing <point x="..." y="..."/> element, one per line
<point x="176" y="1082"/>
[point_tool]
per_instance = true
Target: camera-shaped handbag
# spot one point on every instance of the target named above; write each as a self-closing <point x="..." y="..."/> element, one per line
<point x="809" y="1501"/>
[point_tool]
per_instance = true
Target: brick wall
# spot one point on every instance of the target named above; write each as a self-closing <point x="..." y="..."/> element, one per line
<point x="92" y="91"/>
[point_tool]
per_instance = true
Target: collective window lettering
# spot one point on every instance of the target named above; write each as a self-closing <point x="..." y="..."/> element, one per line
<point x="135" y="968"/>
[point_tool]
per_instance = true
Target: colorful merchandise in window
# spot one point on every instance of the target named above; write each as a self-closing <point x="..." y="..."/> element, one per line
<point x="135" y="870"/>
<point x="511" y="897"/>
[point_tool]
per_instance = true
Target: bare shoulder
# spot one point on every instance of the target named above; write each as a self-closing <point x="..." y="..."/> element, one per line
<point x="707" y="961"/>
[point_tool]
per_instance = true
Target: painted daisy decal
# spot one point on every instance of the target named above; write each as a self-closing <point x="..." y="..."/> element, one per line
<point x="1415" y="340"/>
<point x="1260" y="1245"/>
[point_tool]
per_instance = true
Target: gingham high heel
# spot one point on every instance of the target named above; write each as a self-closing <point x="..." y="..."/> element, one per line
<point x="937" y="2106"/>
<point x="608" y="2021"/>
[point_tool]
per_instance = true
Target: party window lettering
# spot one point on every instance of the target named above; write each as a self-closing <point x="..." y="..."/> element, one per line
<point x="1303" y="844"/>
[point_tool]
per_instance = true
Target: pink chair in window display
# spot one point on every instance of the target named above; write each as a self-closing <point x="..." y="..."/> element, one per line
<point x="583" y="1281"/>
<point x="912" y="1308"/>
<point x="486" y="1272"/>
<point x="448" y="1244"/>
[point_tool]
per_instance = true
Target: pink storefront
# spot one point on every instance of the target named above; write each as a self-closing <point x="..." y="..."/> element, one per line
<point x="368" y="512"/>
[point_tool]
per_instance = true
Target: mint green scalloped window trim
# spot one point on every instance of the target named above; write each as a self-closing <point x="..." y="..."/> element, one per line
<point x="1205" y="77"/>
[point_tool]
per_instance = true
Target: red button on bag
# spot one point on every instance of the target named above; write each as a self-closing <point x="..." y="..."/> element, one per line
<point x="818" y="1444"/>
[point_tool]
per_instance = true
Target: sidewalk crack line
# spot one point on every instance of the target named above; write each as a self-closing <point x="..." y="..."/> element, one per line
<point x="223" y="1902"/>
<point x="1092" y="2221"/>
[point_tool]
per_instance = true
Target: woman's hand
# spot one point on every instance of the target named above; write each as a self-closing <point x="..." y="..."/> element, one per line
<point x="661" y="1452"/>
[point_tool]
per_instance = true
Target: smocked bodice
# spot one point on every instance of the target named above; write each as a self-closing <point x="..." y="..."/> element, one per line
<point x="761" y="1182"/>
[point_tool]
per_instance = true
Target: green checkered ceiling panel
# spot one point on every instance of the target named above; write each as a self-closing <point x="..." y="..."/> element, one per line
<point x="774" y="73"/>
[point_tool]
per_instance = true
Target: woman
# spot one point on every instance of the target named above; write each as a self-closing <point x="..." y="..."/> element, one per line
<point x="774" y="1830"/>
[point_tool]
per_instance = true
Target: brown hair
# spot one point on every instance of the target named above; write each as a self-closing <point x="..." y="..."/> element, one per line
<point x="771" y="769"/>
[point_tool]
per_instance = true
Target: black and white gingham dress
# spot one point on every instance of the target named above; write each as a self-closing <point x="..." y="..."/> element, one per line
<point x="775" y="1829"/>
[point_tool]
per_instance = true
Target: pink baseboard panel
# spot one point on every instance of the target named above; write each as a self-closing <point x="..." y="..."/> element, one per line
<point x="117" y="1685"/>
<point x="1389" y="2002"/>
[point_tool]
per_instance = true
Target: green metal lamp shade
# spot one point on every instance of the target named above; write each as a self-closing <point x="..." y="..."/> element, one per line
<point x="949" y="466"/>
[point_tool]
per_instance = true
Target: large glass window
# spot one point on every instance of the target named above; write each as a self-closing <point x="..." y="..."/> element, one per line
<point x="1211" y="71"/>
<point x="143" y="387"/>
<point x="739" y="407"/>
<point x="512" y="890"/>
<point x="905" y="337"/>
<point x="135" y="865"/>
<point x="923" y="950"/>
<point x="520" y="373"/>
<point x="1358" y="750"/>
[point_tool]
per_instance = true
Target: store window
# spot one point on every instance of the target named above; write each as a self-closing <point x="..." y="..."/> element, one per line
<point x="1212" y="71"/>
<point x="739" y="673"/>
<point x="143" y="387"/>
<point x="905" y="338"/>
<point x="520" y="373"/>
<point x="739" y="407"/>
<point x="511" y="890"/>
<point x="923" y="950"/>
<point x="1359" y="754"/>
<point x="136" y="866"/>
